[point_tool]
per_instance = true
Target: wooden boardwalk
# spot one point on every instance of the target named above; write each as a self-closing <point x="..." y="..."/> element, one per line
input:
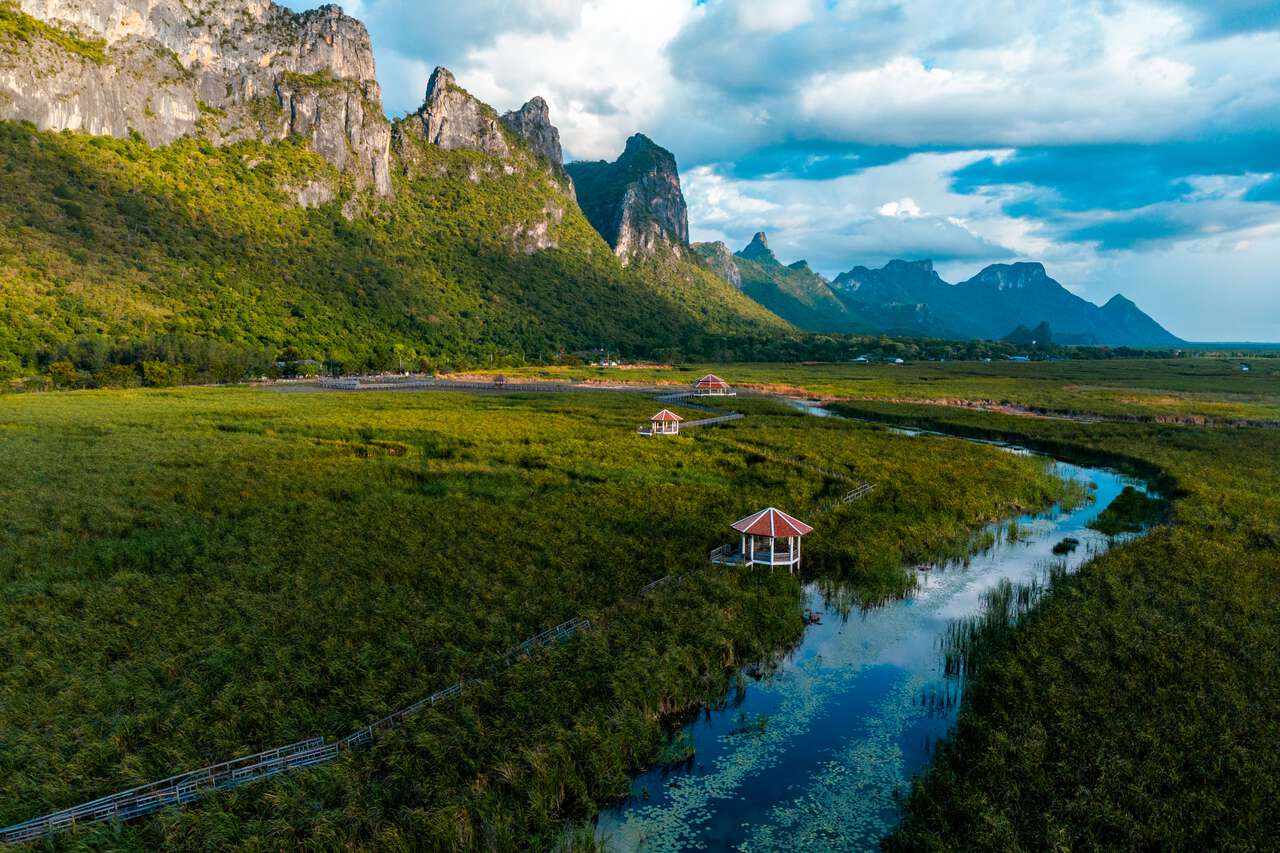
<point x="188" y="787"/>
<point x="195" y="784"/>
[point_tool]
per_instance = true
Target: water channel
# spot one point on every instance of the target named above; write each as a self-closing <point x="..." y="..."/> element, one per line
<point x="818" y="754"/>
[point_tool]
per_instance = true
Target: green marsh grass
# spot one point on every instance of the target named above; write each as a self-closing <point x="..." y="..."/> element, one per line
<point x="193" y="574"/>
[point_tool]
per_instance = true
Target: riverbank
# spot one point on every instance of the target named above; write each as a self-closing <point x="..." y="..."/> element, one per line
<point x="1136" y="706"/>
<point x="818" y="753"/>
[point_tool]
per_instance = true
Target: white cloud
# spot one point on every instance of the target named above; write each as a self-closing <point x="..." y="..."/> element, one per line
<point x="602" y="68"/>
<point x="838" y="223"/>
<point x="903" y="207"/>
<point x="774" y="16"/>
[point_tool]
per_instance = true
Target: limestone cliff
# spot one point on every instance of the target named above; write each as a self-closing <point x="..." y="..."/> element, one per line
<point x="635" y="202"/>
<point x="455" y="120"/>
<point x="232" y="70"/>
<point x="719" y="258"/>
<point x="533" y="123"/>
<point x="520" y="145"/>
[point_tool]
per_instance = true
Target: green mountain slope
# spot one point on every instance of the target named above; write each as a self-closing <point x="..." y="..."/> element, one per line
<point x="795" y="293"/>
<point x="122" y="251"/>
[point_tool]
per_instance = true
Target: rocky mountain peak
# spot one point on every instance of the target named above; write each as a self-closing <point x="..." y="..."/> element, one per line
<point x="1013" y="276"/>
<point x="455" y="120"/>
<point x="921" y="266"/>
<point x="441" y="80"/>
<point x="638" y="143"/>
<point x="533" y="123"/>
<point x="758" y="250"/>
<point x="635" y="202"/>
<point x="898" y="282"/>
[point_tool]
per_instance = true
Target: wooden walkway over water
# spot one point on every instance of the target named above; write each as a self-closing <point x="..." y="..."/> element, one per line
<point x="193" y="785"/>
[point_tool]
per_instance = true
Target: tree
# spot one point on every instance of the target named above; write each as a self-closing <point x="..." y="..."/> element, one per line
<point x="63" y="374"/>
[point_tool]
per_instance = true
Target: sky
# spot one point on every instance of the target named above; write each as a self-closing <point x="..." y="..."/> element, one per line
<point x="1132" y="147"/>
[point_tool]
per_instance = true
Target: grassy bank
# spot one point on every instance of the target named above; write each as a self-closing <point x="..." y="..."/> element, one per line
<point x="190" y="575"/>
<point x="1136" y="707"/>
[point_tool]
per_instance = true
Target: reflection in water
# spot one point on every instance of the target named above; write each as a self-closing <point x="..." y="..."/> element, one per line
<point x="817" y="753"/>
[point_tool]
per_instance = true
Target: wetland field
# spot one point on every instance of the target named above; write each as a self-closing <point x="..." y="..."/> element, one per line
<point x="194" y="574"/>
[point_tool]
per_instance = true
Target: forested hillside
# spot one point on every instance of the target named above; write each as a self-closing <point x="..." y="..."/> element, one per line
<point x="290" y="226"/>
<point x="112" y="250"/>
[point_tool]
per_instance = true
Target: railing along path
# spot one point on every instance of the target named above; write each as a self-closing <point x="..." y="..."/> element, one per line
<point x="195" y="784"/>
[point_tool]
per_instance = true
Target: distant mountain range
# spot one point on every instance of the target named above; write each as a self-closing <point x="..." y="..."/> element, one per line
<point x="910" y="298"/>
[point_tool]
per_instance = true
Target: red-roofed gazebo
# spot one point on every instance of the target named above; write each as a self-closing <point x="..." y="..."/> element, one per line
<point x="770" y="537"/>
<point x="712" y="386"/>
<point x="665" y="422"/>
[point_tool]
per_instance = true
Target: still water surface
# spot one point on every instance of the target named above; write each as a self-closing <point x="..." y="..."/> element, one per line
<point x="817" y="754"/>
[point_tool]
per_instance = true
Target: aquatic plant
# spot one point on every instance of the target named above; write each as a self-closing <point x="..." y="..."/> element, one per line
<point x="1067" y="546"/>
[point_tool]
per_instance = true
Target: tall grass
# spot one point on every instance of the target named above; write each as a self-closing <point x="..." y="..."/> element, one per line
<point x="188" y="575"/>
<point x="967" y="642"/>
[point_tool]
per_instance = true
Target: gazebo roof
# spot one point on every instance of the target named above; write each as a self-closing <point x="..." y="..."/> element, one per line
<point x="772" y="522"/>
<point x="667" y="416"/>
<point x="711" y="381"/>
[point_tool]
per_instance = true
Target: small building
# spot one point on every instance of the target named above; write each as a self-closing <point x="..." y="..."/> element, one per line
<point x="665" y="422"/>
<point x="769" y="537"/>
<point x="712" y="386"/>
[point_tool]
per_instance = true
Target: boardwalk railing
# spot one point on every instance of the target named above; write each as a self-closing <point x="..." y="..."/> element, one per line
<point x="719" y="419"/>
<point x="724" y="554"/>
<point x="193" y="785"/>
<point x="860" y="492"/>
<point x="669" y="580"/>
<point x="176" y="790"/>
<point x="552" y="635"/>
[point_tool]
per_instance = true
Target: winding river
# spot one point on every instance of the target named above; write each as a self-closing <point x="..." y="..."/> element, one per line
<point x="818" y="754"/>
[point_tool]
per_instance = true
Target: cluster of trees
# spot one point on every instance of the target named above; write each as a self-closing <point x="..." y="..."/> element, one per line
<point x="96" y="361"/>
<point x="935" y="350"/>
